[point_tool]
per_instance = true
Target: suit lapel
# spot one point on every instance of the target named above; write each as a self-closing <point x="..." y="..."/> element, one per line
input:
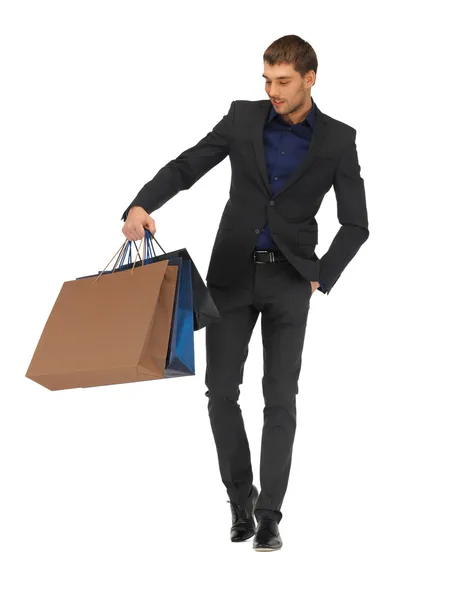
<point x="318" y="137"/>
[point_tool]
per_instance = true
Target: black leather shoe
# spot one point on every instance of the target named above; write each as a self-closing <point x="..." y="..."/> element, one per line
<point x="267" y="536"/>
<point x="243" y="524"/>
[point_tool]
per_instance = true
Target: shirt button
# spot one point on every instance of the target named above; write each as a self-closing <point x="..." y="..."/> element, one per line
<point x="276" y="178"/>
<point x="257" y="231"/>
<point x="282" y="153"/>
<point x="272" y="202"/>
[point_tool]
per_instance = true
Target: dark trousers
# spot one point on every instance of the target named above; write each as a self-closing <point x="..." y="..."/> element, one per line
<point x="282" y="296"/>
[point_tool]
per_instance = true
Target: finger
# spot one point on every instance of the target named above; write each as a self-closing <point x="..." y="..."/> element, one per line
<point x="126" y="233"/>
<point x="150" y="226"/>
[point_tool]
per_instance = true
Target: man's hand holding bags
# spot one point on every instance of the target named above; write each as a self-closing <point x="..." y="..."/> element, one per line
<point x="137" y="220"/>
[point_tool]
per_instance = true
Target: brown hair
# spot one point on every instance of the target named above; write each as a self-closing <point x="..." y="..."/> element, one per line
<point x="294" y="50"/>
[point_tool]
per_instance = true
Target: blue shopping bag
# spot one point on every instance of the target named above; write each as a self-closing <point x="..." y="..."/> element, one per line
<point x="180" y="358"/>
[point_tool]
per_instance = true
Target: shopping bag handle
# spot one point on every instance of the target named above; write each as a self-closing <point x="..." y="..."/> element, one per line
<point x="148" y="233"/>
<point x="121" y="252"/>
<point x="126" y="247"/>
<point x="149" y="250"/>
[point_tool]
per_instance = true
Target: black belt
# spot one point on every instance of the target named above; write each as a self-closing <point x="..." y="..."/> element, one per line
<point x="268" y="256"/>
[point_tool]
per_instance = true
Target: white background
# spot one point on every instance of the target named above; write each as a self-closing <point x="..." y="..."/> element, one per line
<point x="115" y="492"/>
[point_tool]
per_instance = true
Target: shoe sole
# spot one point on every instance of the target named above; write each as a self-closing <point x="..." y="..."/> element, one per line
<point x="267" y="549"/>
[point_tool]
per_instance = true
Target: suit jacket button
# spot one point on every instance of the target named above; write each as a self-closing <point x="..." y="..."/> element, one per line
<point x="257" y="231"/>
<point x="272" y="202"/>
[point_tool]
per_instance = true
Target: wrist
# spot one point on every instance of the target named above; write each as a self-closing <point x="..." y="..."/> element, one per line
<point x="136" y="206"/>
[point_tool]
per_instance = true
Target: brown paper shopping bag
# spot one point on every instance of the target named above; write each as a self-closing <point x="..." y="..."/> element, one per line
<point x="107" y="330"/>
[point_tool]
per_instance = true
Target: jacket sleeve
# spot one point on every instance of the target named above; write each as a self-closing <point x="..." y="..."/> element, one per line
<point x="182" y="172"/>
<point x="352" y="215"/>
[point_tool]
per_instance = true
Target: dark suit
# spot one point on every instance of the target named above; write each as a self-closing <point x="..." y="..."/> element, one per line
<point x="286" y="146"/>
<point x="280" y="291"/>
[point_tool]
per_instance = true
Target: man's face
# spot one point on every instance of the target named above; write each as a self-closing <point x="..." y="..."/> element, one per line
<point x="284" y="83"/>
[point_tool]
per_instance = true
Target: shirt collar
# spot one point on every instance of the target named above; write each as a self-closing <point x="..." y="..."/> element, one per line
<point x="310" y="117"/>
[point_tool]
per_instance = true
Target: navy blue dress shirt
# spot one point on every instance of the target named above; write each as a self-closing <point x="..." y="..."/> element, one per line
<point x="285" y="146"/>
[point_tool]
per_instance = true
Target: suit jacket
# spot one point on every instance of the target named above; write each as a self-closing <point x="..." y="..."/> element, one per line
<point x="331" y="160"/>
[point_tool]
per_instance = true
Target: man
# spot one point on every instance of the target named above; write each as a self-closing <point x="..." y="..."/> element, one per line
<point x="285" y="156"/>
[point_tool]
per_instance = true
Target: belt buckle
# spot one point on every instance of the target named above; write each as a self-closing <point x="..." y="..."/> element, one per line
<point x="271" y="255"/>
<point x="256" y="252"/>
